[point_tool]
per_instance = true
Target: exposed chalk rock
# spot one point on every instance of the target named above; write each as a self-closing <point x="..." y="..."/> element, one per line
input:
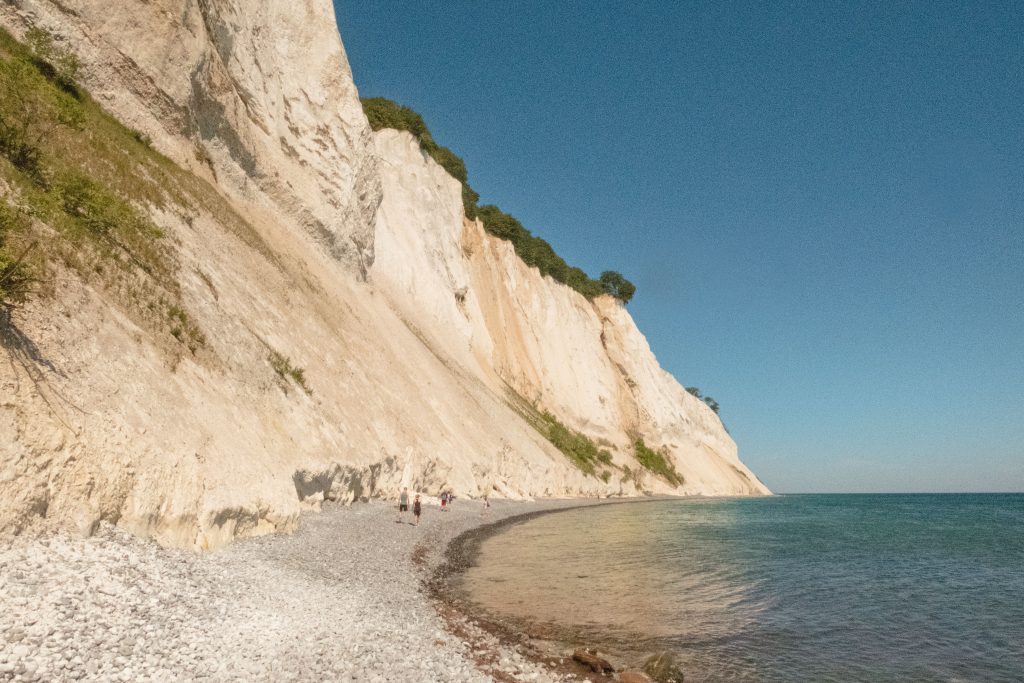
<point x="424" y="341"/>
<point x="515" y="330"/>
<point x="259" y="97"/>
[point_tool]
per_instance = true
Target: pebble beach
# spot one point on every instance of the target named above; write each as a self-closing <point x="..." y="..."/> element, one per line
<point x="343" y="598"/>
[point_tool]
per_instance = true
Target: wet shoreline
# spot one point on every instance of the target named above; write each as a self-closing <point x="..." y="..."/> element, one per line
<point x="542" y="646"/>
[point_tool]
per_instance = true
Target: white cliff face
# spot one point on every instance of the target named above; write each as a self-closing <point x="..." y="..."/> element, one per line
<point x="258" y="94"/>
<point x="585" y="362"/>
<point x="414" y="376"/>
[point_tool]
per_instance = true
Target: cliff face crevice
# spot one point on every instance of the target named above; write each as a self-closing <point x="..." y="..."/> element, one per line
<point x="308" y="249"/>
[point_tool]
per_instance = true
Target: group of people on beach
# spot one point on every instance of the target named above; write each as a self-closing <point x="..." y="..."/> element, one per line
<point x="446" y="499"/>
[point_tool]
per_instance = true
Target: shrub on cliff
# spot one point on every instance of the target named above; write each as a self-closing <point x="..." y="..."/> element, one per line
<point x="30" y="110"/>
<point x="56" y="63"/>
<point x="656" y="463"/>
<point x="618" y="286"/>
<point x="282" y="365"/>
<point x="536" y="252"/>
<point x="580" y="450"/>
<point x="708" y="401"/>
<point x="383" y="113"/>
<point x="17" y="277"/>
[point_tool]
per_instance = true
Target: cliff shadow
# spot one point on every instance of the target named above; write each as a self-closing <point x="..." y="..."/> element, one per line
<point x="342" y="483"/>
<point x="20" y="347"/>
<point x="22" y="352"/>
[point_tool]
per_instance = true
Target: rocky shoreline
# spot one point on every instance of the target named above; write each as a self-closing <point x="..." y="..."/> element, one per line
<point x="543" y="647"/>
<point x="346" y="597"/>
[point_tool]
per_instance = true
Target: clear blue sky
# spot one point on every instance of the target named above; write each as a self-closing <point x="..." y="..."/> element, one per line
<point x="821" y="204"/>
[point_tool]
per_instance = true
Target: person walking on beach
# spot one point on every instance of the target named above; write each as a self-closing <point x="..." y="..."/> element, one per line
<point x="416" y="509"/>
<point x="486" y="506"/>
<point x="403" y="504"/>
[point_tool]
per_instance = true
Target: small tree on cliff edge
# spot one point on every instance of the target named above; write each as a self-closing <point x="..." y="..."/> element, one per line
<point x="708" y="401"/>
<point x="618" y="286"/>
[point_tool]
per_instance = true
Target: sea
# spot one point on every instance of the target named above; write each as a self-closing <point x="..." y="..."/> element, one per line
<point x="782" y="588"/>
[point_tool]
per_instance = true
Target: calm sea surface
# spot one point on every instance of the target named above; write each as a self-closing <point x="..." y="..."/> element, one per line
<point x="786" y="588"/>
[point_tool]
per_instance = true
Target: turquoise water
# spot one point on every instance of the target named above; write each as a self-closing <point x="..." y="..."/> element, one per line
<point x="786" y="588"/>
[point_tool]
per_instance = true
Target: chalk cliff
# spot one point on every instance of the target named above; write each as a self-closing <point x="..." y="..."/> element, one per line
<point x="517" y="331"/>
<point x="428" y="347"/>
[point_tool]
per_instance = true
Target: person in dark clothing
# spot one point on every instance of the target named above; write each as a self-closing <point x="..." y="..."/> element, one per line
<point x="416" y="508"/>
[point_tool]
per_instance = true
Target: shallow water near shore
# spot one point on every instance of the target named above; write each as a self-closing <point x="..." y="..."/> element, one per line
<point x="808" y="587"/>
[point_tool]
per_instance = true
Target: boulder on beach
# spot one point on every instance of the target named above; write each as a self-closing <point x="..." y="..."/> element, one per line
<point x="590" y="658"/>
<point x="662" y="668"/>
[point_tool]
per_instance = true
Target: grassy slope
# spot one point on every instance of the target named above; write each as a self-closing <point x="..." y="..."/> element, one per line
<point x="87" y="204"/>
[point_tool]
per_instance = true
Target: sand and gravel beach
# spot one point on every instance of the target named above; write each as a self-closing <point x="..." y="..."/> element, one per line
<point x="343" y="598"/>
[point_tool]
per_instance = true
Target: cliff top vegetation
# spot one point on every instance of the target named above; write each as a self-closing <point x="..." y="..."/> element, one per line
<point x="710" y="402"/>
<point x="533" y="250"/>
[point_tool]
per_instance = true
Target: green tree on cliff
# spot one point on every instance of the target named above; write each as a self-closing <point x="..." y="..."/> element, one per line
<point x="708" y="401"/>
<point x="613" y="283"/>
